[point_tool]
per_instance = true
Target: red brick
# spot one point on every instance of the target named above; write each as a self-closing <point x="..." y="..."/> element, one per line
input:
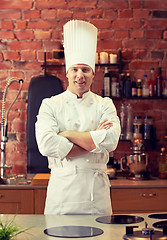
<point x="28" y="55"/>
<point x="152" y="4"/>
<point x="135" y="4"/>
<point x="140" y="13"/>
<point x="156" y="24"/>
<point x="15" y="4"/>
<point x="56" y="34"/>
<point x="126" y="24"/>
<point x="106" y="34"/>
<point x="125" y="13"/>
<point x="48" y="14"/>
<point x="21" y="24"/>
<point x="6" y="35"/>
<point x="110" y="13"/>
<point x="140" y="54"/>
<point x="121" y="34"/>
<point x="165" y="35"/>
<point x="39" y="34"/>
<point x="63" y="14"/>
<point x="47" y="4"/>
<point x="152" y="34"/>
<point x="3" y="74"/>
<point x="11" y="55"/>
<point x="95" y="13"/>
<point x="138" y="43"/>
<point x="21" y="45"/>
<point x="40" y="24"/>
<point x="27" y="65"/>
<point x="161" y="44"/>
<point x="24" y="35"/>
<point x="1" y="56"/>
<point x="145" y="64"/>
<point x="10" y="14"/>
<point x="137" y="34"/>
<point x="109" y="44"/>
<point x="101" y="23"/>
<point x="5" y="65"/>
<point x="121" y="4"/>
<point x="6" y="25"/>
<point x="127" y="54"/>
<point x="82" y="4"/>
<point x="80" y="14"/>
<point x="50" y="45"/>
<point x="31" y="14"/>
<point x="17" y="74"/>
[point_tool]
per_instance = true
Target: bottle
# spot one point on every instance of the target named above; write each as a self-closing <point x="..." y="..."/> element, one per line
<point x="152" y="84"/>
<point x="162" y="164"/>
<point x="122" y="81"/>
<point x="107" y="83"/>
<point x="145" y="87"/>
<point x="129" y="124"/>
<point x="139" y="88"/>
<point x="127" y="86"/>
<point x="123" y="121"/>
<point x="137" y="127"/>
<point x="165" y="88"/>
<point x="147" y="128"/>
<point x="134" y="88"/>
<point x="159" y="80"/>
<point x="113" y="86"/>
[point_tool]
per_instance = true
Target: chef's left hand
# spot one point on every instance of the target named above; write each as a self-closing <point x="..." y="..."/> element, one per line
<point x="105" y="125"/>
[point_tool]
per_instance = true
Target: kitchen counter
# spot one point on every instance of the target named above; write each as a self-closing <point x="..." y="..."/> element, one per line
<point x="38" y="223"/>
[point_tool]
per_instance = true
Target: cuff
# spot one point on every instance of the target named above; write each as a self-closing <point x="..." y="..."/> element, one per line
<point x="98" y="136"/>
<point x="64" y="147"/>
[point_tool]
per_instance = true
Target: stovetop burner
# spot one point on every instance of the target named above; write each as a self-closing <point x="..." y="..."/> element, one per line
<point x="158" y="216"/>
<point x="119" y="219"/>
<point x="160" y="224"/>
<point x="145" y="234"/>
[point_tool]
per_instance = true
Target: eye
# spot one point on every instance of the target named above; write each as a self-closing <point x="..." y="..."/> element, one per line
<point x="74" y="69"/>
<point x="85" y="70"/>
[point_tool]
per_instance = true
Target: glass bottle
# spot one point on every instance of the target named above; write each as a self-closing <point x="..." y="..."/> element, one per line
<point x="159" y="80"/>
<point x="123" y="121"/>
<point x="122" y="81"/>
<point x="152" y="84"/>
<point x="162" y="164"/>
<point x="129" y="124"/>
<point x="127" y="86"/>
<point x="107" y="83"/>
<point x="139" y="88"/>
<point x="134" y="88"/>
<point x="145" y="87"/>
<point x="137" y="127"/>
<point x="113" y="86"/>
<point x="165" y="88"/>
<point x="147" y="128"/>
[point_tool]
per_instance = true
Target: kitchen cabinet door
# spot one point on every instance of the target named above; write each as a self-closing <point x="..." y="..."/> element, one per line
<point x="39" y="196"/>
<point x="16" y="201"/>
<point x="139" y="200"/>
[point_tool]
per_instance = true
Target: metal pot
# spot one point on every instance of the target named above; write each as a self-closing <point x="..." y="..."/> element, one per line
<point x="136" y="163"/>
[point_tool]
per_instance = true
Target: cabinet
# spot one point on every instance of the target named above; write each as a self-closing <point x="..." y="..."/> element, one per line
<point x="39" y="200"/>
<point x="16" y="201"/>
<point x="130" y="200"/>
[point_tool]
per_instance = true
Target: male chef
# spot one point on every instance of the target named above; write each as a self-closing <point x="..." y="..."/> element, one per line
<point x="76" y="130"/>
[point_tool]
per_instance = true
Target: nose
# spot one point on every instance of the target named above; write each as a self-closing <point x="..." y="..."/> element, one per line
<point x="79" y="73"/>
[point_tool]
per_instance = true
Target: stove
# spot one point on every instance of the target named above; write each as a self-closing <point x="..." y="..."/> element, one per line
<point x="145" y="233"/>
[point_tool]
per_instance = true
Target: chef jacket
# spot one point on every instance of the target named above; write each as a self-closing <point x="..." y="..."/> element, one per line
<point x="78" y="185"/>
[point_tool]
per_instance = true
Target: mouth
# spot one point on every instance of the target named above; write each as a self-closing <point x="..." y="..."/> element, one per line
<point x="80" y="83"/>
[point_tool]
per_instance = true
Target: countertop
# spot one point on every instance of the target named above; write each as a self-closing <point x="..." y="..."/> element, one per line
<point x="38" y="223"/>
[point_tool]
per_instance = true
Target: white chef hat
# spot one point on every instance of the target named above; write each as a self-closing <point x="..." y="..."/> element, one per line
<point x="80" y="42"/>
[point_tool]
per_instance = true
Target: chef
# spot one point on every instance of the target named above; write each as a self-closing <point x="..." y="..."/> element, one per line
<point x="76" y="130"/>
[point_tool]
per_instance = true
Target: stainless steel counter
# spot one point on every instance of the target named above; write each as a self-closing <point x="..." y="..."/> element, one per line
<point x="40" y="222"/>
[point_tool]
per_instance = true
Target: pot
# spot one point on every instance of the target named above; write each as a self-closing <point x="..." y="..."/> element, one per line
<point x="136" y="163"/>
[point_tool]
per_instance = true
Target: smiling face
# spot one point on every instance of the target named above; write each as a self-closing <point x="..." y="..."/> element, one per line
<point x="80" y="78"/>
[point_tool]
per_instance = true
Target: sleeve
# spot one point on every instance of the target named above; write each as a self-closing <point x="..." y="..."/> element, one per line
<point x="50" y="144"/>
<point x="107" y="140"/>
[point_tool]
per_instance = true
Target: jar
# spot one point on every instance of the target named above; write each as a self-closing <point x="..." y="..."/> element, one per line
<point x="147" y="127"/>
<point x="137" y="127"/>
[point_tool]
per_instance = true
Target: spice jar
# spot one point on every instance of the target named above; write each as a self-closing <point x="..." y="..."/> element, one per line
<point x="137" y="127"/>
<point x="147" y="127"/>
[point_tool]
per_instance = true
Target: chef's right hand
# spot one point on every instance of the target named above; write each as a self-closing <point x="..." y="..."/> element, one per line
<point x="105" y="125"/>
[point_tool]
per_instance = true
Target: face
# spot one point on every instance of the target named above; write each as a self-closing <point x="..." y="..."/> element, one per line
<point x="80" y="78"/>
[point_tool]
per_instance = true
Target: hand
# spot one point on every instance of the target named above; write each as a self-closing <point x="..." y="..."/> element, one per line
<point x="105" y="125"/>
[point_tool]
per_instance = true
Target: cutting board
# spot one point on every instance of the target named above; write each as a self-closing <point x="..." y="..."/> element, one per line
<point x="41" y="179"/>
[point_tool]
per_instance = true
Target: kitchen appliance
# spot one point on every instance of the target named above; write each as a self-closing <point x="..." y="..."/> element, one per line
<point x="73" y="231"/>
<point x="145" y="233"/>
<point x="119" y="219"/>
<point x="136" y="164"/>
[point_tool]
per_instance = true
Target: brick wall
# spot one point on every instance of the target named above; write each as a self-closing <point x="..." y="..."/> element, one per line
<point x="30" y="27"/>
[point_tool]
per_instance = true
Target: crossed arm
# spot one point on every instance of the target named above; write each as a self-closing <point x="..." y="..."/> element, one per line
<point x="83" y="141"/>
